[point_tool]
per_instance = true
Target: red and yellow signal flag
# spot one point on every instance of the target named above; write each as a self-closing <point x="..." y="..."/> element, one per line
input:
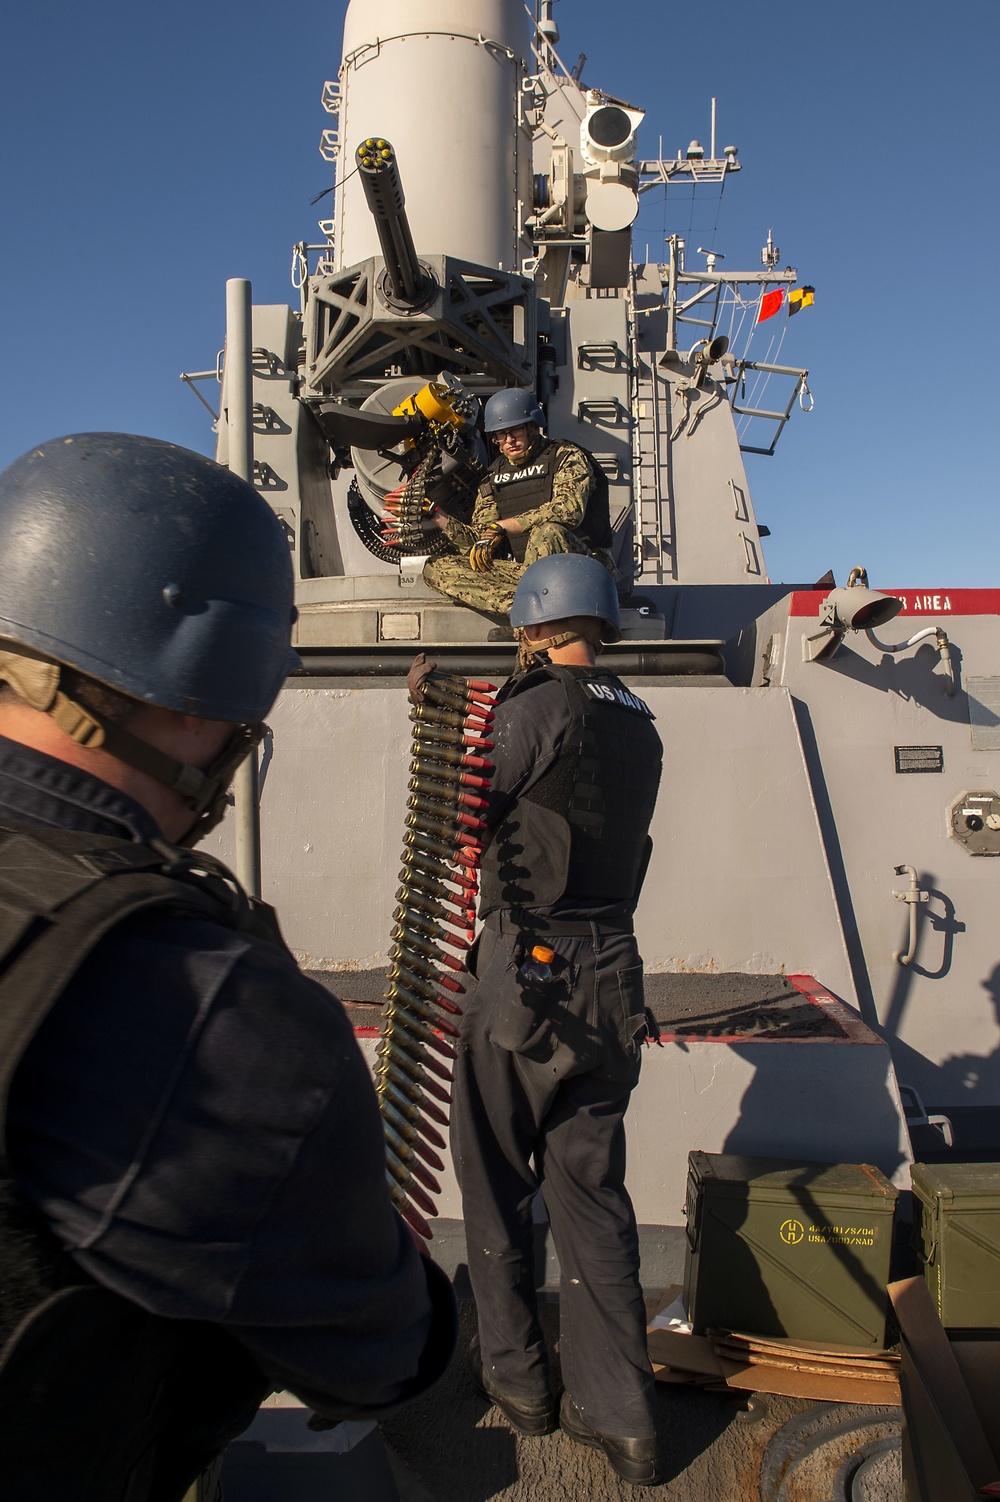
<point x="799" y="298"/>
<point x="770" y="303"/>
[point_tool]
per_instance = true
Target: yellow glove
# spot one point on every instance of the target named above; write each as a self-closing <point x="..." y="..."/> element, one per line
<point x="481" y="553"/>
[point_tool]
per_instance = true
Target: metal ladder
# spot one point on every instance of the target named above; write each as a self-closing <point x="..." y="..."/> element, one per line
<point x="653" y="548"/>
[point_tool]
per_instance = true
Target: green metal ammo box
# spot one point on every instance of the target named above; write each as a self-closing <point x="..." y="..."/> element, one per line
<point x="959" y="1240"/>
<point x="782" y="1248"/>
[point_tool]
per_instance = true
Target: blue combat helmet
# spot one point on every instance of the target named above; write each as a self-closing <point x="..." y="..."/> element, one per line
<point x="149" y="568"/>
<point x="156" y="573"/>
<point x="509" y="409"/>
<point x="564" y="585"/>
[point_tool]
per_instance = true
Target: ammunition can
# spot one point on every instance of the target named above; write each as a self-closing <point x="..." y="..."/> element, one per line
<point x="782" y="1248"/>
<point x="958" y="1239"/>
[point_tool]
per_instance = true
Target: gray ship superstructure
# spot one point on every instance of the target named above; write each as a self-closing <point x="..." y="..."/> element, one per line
<point x="819" y="919"/>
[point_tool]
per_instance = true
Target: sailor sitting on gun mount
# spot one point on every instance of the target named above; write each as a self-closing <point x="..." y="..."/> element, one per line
<point x="540" y="496"/>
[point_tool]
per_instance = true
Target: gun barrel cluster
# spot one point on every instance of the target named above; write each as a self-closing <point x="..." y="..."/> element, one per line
<point x="432" y="931"/>
<point x="375" y="163"/>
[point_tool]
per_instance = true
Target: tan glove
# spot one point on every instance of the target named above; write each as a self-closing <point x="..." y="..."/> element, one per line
<point x="482" y="553"/>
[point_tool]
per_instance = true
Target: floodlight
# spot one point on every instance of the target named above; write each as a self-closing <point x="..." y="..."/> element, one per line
<point x="855" y="608"/>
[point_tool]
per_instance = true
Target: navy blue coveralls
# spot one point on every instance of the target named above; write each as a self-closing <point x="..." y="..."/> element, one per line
<point x="196" y="1124"/>
<point x="539" y="1101"/>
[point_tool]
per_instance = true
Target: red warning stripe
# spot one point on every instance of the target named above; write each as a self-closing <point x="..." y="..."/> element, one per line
<point x="922" y="602"/>
<point x="850" y="1025"/>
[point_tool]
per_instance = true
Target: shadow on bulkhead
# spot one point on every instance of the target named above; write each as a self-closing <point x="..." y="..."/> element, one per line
<point x="963" y="1087"/>
<point x="772" y="1092"/>
<point x="917" y="678"/>
<point x="933" y="959"/>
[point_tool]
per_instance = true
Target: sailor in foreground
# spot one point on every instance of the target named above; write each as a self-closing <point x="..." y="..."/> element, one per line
<point x="193" y="1208"/>
<point x="551" y="1043"/>
<point x="539" y="497"/>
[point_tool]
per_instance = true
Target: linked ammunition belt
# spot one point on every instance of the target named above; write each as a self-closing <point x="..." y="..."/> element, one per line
<point x="403" y="531"/>
<point x="433" y="929"/>
<point x="411" y="504"/>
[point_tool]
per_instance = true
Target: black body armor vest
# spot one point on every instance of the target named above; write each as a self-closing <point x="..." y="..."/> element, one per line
<point x="582" y="831"/>
<point x="517" y="490"/>
<point x="101" y="1400"/>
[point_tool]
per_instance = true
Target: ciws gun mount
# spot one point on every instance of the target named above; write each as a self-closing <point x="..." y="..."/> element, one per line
<point x="397" y="324"/>
<point x="400" y="316"/>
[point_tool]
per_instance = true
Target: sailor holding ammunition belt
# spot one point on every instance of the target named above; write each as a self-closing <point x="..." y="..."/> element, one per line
<point x="539" y="497"/>
<point x="551" y="1041"/>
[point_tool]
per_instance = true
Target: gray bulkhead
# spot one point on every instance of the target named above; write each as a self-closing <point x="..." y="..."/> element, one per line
<point x="866" y="718"/>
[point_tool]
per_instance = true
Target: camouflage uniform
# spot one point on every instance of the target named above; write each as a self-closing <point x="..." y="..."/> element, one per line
<point x="549" y="528"/>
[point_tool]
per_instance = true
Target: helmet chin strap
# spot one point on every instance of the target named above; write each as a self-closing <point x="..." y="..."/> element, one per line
<point x="583" y="628"/>
<point x="36" y="681"/>
<point x="533" y="648"/>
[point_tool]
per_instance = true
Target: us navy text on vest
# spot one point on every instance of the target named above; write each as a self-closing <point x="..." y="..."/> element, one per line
<point x="519" y="490"/>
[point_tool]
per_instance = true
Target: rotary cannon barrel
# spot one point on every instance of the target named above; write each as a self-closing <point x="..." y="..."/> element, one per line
<point x="376" y="165"/>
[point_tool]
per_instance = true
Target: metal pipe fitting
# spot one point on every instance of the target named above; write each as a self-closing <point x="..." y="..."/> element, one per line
<point x="912" y="896"/>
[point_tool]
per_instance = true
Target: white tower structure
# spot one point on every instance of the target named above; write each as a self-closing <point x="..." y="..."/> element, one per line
<point x="440" y="79"/>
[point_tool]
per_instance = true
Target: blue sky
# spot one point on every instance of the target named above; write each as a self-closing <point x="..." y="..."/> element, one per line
<point x="151" y="150"/>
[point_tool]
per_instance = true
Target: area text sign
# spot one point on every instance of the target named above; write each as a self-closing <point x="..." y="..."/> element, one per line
<point x="924" y="602"/>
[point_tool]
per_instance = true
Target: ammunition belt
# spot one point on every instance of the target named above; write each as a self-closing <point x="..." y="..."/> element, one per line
<point x="433" y="929"/>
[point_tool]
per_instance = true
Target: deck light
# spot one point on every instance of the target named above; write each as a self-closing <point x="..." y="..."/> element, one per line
<point x="855" y="608"/>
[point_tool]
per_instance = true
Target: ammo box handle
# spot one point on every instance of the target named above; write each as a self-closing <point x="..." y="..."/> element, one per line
<point x="926" y="1258"/>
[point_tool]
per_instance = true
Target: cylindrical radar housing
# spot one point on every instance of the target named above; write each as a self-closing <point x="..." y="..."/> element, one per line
<point x="610" y="127"/>
<point x="442" y="80"/>
<point x="608" y="130"/>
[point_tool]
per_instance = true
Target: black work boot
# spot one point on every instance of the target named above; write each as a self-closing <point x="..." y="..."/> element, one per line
<point x="635" y="1460"/>
<point x="528" y="1415"/>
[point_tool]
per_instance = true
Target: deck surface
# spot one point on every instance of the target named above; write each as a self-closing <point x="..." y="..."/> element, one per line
<point x="452" y="1447"/>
